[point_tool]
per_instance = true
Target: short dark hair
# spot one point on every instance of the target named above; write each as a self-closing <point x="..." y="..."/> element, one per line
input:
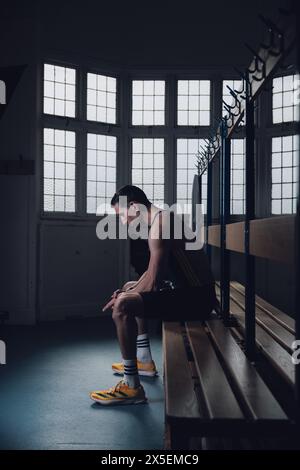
<point x="133" y="194"/>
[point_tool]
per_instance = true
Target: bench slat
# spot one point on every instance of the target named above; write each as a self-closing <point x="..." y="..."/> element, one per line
<point x="254" y="393"/>
<point x="277" y="331"/>
<point x="282" y="318"/>
<point x="181" y="400"/>
<point x="275" y="353"/>
<point x="217" y="393"/>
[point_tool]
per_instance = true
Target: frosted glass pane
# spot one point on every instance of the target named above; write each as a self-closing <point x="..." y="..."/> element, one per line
<point x="70" y="171"/>
<point x="59" y="154"/>
<point x="59" y="203"/>
<point x="70" y="204"/>
<point x="70" y="108"/>
<point x="277" y="85"/>
<point x="91" y="188"/>
<point x="101" y="98"/>
<point x="70" y="76"/>
<point x="111" y="174"/>
<point x="92" y="157"/>
<point x="276" y="206"/>
<point x="59" y="169"/>
<point x="181" y="191"/>
<point x="276" y="191"/>
<point x="91" y="173"/>
<point x="55" y="170"/>
<point x="193" y="102"/>
<point x="59" y="107"/>
<point x="48" y="203"/>
<point x="91" y="113"/>
<point x="284" y="107"/>
<point x="276" y="175"/>
<point x="287" y="206"/>
<point x="70" y="188"/>
<point x="48" y="106"/>
<point x="101" y="169"/>
<point x="137" y="176"/>
<point x="59" y="90"/>
<point x="48" y="169"/>
<point x="49" y="89"/>
<point x="59" y="187"/>
<point x="48" y="186"/>
<point x="91" y="205"/>
<point x="146" y="164"/>
<point x="48" y="72"/>
<point x="148" y="102"/>
<point x="287" y="191"/>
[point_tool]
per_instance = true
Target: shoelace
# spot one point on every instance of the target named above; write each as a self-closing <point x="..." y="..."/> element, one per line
<point x="117" y="386"/>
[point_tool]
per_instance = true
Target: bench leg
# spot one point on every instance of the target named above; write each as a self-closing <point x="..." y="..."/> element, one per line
<point x="175" y="439"/>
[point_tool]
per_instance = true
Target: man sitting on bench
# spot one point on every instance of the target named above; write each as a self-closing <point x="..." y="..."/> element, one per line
<point x="177" y="286"/>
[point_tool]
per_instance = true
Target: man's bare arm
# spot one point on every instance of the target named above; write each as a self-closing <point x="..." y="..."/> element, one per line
<point x="131" y="284"/>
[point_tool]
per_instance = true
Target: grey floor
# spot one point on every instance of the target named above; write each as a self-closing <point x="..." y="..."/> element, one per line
<point x="44" y="401"/>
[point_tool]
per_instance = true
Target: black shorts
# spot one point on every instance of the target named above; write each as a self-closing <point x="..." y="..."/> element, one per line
<point x="180" y="304"/>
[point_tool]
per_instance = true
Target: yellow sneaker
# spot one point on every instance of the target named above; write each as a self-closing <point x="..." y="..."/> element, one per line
<point x="120" y="394"/>
<point x="144" y="368"/>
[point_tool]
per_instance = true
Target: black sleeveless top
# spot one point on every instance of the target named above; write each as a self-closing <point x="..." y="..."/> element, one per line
<point x="185" y="267"/>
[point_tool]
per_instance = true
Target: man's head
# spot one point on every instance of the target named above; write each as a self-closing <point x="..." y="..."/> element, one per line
<point x="128" y="202"/>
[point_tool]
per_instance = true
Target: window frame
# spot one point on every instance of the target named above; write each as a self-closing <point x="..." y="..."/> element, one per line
<point x="123" y="130"/>
<point x="267" y="131"/>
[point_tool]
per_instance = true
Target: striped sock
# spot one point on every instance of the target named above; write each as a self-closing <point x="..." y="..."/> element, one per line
<point x="143" y="352"/>
<point x="131" y="376"/>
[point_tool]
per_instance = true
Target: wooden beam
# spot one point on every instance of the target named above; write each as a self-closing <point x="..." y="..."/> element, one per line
<point x="235" y="237"/>
<point x="272" y="238"/>
<point x="214" y="235"/>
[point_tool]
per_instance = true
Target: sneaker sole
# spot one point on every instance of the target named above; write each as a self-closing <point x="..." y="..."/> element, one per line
<point x="141" y="372"/>
<point x="127" y="401"/>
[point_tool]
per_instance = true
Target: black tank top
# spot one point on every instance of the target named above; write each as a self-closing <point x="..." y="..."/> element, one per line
<point x="185" y="268"/>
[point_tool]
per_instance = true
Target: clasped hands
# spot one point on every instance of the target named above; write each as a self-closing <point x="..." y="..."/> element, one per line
<point x="117" y="292"/>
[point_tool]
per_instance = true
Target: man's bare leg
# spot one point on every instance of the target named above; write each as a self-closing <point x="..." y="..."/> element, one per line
<point x="126" y="307"/>
<point x="142" y="325"/>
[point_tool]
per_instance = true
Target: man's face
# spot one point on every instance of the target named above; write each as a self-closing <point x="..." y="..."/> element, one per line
<point x="127" y="214"/>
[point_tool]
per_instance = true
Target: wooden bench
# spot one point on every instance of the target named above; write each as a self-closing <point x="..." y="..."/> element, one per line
<point x="275" y="331"/>
<point x="211" y="389"/>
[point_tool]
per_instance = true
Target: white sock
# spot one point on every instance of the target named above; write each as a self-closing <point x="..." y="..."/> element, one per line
<point x="143" y="352"/>
<point x="131" y="376"/>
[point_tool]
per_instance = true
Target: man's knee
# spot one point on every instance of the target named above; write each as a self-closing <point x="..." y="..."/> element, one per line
<point x="120" y="309"/>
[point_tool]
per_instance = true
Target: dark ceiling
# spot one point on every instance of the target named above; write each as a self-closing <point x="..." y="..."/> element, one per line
<point x="150" y="33"/>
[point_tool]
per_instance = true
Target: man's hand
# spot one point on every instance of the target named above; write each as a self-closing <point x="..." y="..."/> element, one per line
<point x="111" y="302"/>
<point x="117" y="292"/>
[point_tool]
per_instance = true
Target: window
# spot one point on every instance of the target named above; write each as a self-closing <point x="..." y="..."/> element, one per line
<point x="89" y="100"/>
<point x="101" y="172"/>
<point x="284" y="105"/>
<point x="187" y="169"/>
<point x="59" y="170"/>
<point x="235" y="85"/>
<point x="285" y="151"/>
<point x="193" y="103"/>
<point x="101" y="98"/>
<point x="59" y="90"/>
<point x="237" y="203"/>
<point x="148" y="102"/>
<point x="148" y="168"/>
